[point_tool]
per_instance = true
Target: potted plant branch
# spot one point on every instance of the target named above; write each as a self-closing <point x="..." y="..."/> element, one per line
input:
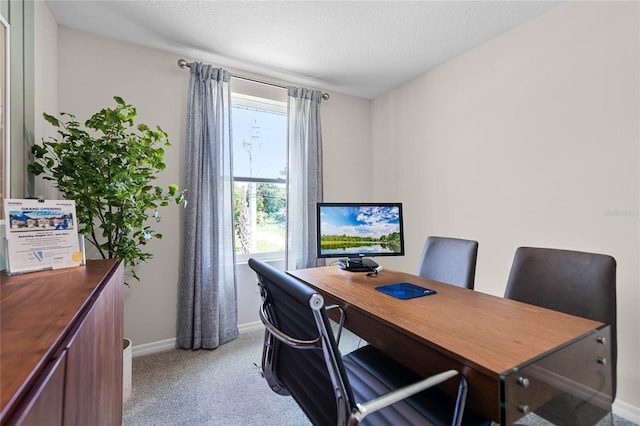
<point x="108" y="167"/>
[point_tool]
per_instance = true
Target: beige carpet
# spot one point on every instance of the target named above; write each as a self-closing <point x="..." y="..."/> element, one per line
<point x="210" y="387"/>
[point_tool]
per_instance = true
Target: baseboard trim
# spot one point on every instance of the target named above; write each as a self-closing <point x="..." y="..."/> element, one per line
<point x="168" y="344"/>
<point x="153" y="347"/>
<point x="250" y="326"/>
<point x="626" y="411"/>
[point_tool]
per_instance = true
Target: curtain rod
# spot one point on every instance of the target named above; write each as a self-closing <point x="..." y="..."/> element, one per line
<point x="184" y="65"/>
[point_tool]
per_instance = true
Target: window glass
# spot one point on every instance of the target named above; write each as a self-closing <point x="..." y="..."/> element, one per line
<point x="259" y="161"/>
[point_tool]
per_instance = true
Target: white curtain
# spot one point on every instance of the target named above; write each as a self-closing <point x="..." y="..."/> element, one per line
<point x="208" y="314"/>
<point x="304" y="177"/>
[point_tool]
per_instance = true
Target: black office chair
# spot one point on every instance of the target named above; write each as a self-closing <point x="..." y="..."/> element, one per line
<point x="449" y="260"/>
<point x="301" y="358"/>
<point x="577" y="283"/>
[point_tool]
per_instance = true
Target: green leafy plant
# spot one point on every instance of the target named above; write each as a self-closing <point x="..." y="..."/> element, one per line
<point x="108" y="167"/>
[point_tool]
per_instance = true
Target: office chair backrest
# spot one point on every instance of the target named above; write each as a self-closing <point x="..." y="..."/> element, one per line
<point x="449" y="260"/>
<point x="314" y="377"/>
<point x="576" y="283"/>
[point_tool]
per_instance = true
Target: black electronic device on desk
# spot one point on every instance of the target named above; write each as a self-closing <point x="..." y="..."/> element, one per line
<point x="359" y="231"/>
<point x="358" y="264"/>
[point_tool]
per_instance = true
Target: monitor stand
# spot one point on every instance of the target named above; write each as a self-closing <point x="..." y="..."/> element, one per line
<point x="358" y="264"/>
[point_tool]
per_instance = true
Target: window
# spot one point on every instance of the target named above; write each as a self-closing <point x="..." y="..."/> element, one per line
<point x="259" y="132"/>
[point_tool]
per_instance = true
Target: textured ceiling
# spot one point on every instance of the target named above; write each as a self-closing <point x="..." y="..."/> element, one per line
<point x="360" y="48"/>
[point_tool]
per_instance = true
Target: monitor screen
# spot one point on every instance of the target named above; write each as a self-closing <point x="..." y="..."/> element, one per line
<point x="360" y="229"/>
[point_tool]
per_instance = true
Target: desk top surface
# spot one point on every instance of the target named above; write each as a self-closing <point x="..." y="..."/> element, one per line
<point x="493" y="333"/>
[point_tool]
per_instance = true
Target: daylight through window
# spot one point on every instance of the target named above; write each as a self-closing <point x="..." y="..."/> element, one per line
<point x="259" y="160"/>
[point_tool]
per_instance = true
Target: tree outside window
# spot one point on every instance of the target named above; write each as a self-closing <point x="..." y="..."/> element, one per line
<point x="259" y="138"/>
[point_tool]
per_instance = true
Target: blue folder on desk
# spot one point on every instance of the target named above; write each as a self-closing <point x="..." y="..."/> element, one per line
<point x="405" y="290"/>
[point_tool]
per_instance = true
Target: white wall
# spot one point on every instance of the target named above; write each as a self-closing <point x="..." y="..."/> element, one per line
<point x="92" y="69"/>
<point x="46" y="82"/>
<point x="530" y="139"/>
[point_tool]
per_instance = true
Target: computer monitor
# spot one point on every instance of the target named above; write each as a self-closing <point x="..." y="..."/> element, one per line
<point x="358" y="231"/>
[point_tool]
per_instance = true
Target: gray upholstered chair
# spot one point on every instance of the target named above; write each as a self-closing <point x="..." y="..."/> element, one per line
<point x="301" y="358"/>
<point x="577" y="283"/>
<point x="449" y="260"/>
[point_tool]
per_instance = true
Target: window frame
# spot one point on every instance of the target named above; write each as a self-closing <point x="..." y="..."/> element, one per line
<point x="259" y="102"/>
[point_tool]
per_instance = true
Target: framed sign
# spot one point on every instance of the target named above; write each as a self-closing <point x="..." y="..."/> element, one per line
<point x="41" y="234"/>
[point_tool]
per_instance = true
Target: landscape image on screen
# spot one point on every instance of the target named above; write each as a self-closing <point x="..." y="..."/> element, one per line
<point x="348" y="230"/>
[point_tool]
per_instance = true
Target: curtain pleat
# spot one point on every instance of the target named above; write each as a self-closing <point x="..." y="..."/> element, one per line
<point x="304" y="177"/>
<point x="208" y="313"/>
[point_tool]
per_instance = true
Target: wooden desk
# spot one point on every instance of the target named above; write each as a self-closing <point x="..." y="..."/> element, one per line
<point x="491" y="340"/>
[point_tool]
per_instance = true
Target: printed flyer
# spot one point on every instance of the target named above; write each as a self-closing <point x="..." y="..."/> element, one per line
<point x="41" y="234"/>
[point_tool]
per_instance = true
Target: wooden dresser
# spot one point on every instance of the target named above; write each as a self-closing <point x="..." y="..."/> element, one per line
<point x="61" y="346"/>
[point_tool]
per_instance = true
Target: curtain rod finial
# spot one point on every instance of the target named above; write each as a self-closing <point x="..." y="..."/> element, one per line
<point x="183" y="64"/>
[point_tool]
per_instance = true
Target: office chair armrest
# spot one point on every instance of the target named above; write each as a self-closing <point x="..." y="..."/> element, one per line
<point x="283" y="337"/>
<point x="366" y="408"/>
<point x="340" y="323"/>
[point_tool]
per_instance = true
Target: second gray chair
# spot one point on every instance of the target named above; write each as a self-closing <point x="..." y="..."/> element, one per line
<point x="449" y="260"/>
<point x="573" y="282"/>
